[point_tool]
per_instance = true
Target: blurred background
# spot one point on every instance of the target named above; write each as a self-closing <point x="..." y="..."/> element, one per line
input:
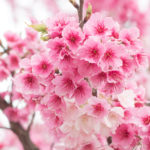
<point x="14" y="14"/>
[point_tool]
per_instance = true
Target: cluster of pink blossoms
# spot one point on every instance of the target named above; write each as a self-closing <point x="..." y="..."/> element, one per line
<point x="82" y="83"/>
<point x="125" y="11"/>
<point x="18" y="110"/>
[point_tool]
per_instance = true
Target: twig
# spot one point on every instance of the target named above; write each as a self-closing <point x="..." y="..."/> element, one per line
<point x="87" y="17"/>
<point x="5" y="50"/>
<point x="32" y="120"/>
<point x="17" y="128"/>
<point x="5" y="128"/>
<point x="73" y="2"/>
<point x="4" y="104"/>
<point x="80" y="11"/>
<point x="79" y="8"/>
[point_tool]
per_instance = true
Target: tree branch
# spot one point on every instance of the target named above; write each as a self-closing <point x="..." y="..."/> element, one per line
<point x="79" y="9"/>
<point x="73" y="2"/>
<point x="23" y="136"/>
<point x="5" y="128"/>
<point x="3" y="104"/>
<point x="87" y="17"/>
<point x="30" y="125"/>
<point x="17" y="128"/>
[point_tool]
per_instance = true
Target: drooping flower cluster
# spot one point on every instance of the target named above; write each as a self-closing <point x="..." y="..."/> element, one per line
<point x="83" y="84"/>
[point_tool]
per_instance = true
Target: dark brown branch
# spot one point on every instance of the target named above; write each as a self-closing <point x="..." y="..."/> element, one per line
<point x="94" y="92"/>
<point x="87" y="17"/>
<point x="5" y="50"/>
<point x="20" y="132"/>
<point x="23" y="136"/>
<point x="3" y="104"/>
<point x="80" y="11"/>
<point x="73" y="2"/>
<point x="79" y="8"/>
<point x="5" y="128"/>
<point x="30" y="125"/>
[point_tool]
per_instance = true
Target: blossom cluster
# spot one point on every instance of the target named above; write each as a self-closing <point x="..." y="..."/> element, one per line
<point x="126" y="12"/>
<point x="82" y="82"/>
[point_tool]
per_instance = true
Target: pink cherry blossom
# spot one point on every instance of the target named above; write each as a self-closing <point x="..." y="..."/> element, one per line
<point x="92" y="50"/>
<point x="13" y="61"/>
<point x="99" y="79"/>
<point x="114" y="76"/>
<point x="82" y="92"/>
<point x="110" y="88"/>
<point x="4" y="73"/>
<point x="41" y="65"/>
<point x="124" y="135"/>
<point x="83" y="66"/>
<point x="73" y="37"/>
<point x="98" y="25"/>
<point x="146" y="143"/>
<point x="111" y="59"/>
<point x="54" y="102"/>
<point x="27" y="83"/>
<point x="64" y="85"/>
<point x="98" y="108"/>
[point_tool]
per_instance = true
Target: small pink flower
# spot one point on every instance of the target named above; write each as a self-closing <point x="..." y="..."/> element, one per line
<point x="27" y="83"/>
<point x="130" y="37"/>
<point x="64" y="85"/>
<point x="41" y="65"/>
<point x="141" y="60"/>
<point x="73" y="36"/>
<point x="92" y="50"/>
<point x="57" y="24"/>
<point x="112" y="88"/>
<point x="127" y="65"/>
<point x="97" y="25"/>
<point x="54" y="120"/>
<point x="124" y="135"/>
<point x="4" y="73"/>
<point x="98" y="79"/>
<point x="88" y="146"/>
<point x="146" y="143"/>
<point x="114" y="76"/>
<point x="56" y="46"/>
<point x="83" y="66"/>
<point x="11" y="37"/>
<point x="115" y="31"/>
<point x="111" y="58"/>
<point x="65" y="60"/>
<point x="97" y="107"/>
<point x="31" y="34"/>
<point x="54" y="102"/>
<point x="13" y="61"/>
<point x="12" y="114"/>
<point x="19" y="46"/>
<point x="82" y="92"/>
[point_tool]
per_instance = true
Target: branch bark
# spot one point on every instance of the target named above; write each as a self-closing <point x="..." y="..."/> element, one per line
<point x="30" y="125"/>
<point x="79" y="9"/>
<point x="22" y="134"/>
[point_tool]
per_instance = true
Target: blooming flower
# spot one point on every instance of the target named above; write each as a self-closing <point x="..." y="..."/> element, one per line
<point x="73" y="37"/>
<point x="82" y="92"/>
<point x="124" y="135"/>
<point x="92" y="50"/>
<point x="27" y="83"/>
<point x="41" y="65"/>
